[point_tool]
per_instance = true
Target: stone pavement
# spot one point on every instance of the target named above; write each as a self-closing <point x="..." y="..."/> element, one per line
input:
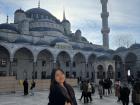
<point x="41" y="98"/>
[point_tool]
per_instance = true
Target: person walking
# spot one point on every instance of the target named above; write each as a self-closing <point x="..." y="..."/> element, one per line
<point x="106" y="87"/>
<point x="84" y="92"/>
<point x="136" y="93"/>
<point x="33" y="84"/>
<point x="89" y="91"/>
<point x="25" y="85"/>
<point x="124" y="94"/>
<point x="117" y="90"/>
<point x="100" y="91"/>
<point x="61" y="93"/>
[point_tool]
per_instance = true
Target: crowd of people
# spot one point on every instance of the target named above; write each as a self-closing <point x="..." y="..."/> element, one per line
<point x="105" y="87"/>
<point x="87" y="89"/>
<point x="66" y="94"/>
<point x="123" y="90"/>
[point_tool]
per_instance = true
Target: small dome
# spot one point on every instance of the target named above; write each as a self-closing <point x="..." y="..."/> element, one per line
<point x="58" y="40"/>
<point x="121" y="49"/>
<point x="76" y="46"/>
<point x="78" y="32"/>
<point x="8" y="27"/>
<point x="19" y="11"/>
<point x="135" y="46"/>
<point x="104" y="57"/>
<point x="87" y="48"/>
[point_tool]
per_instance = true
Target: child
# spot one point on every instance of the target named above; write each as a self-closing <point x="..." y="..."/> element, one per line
<point x="32" y="87"/>
<point x="100" y="90"/>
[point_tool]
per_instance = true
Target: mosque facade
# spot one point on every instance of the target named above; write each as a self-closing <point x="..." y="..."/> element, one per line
<point x="36" y="42"/>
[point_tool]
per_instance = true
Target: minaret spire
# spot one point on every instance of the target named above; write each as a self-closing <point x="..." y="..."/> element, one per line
<point x="64" y="16"/>
<point x="39" y="4"/>
<point x="7" y="19"/>
<point x="105" y="29"/>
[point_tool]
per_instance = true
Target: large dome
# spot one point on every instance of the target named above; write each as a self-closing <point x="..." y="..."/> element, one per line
<point x="39" y="13"/>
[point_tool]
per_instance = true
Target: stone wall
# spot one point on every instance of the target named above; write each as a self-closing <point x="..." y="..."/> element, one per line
<point x="10" y="84"/>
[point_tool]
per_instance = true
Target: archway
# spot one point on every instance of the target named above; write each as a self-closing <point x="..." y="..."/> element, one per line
<point x="63" y="61"/>
<point x="44" y="64"/>
<point x="90" y="67"/>
<point x="23" y="63"/>
<point x="119" y="74"/>
<point x="4" y="61"/>
<point x="79" y="65"/>
<point x="100" y="72"/>
<point x="110" y="72"/>
<point x="130" y="66"/>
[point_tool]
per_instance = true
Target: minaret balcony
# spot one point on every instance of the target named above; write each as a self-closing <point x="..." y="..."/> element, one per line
<point x="104" y="14"/>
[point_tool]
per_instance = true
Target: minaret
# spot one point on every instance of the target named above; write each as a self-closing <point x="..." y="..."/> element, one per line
<point x="105" y="29"/>
<point x="39" y="4"/>
<point x="7" y="19"/>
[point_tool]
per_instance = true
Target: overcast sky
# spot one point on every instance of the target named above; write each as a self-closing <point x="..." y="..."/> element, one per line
<point x="124" y="19"/>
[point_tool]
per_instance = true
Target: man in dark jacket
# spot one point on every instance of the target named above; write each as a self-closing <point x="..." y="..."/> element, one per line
<point x="25" y="84"/>
<point x="124" y="94"/>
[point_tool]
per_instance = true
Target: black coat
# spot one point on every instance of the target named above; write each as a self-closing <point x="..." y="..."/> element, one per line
<point x="25" y="84"/>
<point x="124" y="94"/>
<point x="56" y="97"/>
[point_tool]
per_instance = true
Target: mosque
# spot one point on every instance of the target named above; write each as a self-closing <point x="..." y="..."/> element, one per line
<point x="36" y="42"/>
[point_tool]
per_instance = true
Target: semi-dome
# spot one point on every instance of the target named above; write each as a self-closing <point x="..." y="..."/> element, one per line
<point x="135" y="46"/>
<point x="44" y="29"/>
<point x="110" y="51"/>
<point x="104" y="57"/>
<point x="41" y="42"/>
<point x="121" y="49"/>
<point x="76" y="46"/>
<point x="8" y="27"/>
<point x="39" y="13"/>
<point x="99" y="50"/>
<point x="87" y="48"/>
<point x="58" y="40"/>
<point x="22" y="40"/>
<point x="19" y="11"/>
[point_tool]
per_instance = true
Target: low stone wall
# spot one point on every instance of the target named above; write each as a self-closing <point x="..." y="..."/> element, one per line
<point x="10" y="84"/>
<point x="7" y="84"/>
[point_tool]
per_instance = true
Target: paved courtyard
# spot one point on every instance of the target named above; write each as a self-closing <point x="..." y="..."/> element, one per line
<point x="41" y="98"/>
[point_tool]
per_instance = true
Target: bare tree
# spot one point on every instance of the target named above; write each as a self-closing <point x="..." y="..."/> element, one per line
<point x="123" y="40"/>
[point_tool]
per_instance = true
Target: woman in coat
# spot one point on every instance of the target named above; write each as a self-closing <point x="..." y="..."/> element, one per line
<point x="136" y="94"/>
<point x="61" y="93"/>
<point x="124" y="94"/>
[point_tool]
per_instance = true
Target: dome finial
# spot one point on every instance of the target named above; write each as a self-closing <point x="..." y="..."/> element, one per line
<point x="64" y="17"/>
<point x="7" y="19"/>
<point x="39" y="4"/>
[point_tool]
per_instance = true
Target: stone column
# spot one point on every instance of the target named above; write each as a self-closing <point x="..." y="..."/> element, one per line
<point x="10" y="67"/>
